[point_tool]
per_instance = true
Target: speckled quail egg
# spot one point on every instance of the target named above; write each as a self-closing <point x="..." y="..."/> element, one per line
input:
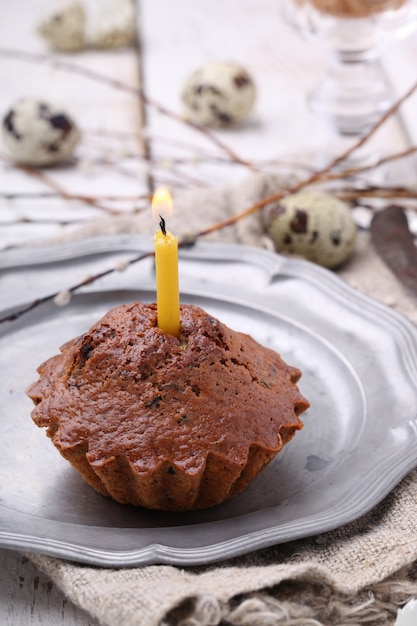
<point x="219" y="94"/>
<point x="64" y="27"/>
<point x="116" y="25"/>
<point x="39" y="133"/>
<point x="314" y="225"/>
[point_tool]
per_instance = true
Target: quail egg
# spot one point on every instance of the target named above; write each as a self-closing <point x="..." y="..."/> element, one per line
<point x="116" y="25"/>
<point x="39" y="133"/>
<point x="314" y="225"/>
<point x="64" y="27"/>
<point x="220" y="94"/>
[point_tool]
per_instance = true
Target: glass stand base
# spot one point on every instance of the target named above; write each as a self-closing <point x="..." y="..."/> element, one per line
<point x="352" y="96"/>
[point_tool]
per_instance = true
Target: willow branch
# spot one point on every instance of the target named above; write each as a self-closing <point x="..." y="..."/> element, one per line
<point x="52" y="184"/>
<point x="365" y="168"/>
<point x="35" y="195"/>
<point x="385" y="193"/>
<point x="38" y="301"/>
<point x="197" y="153"/>
<point x="30" y="195"/>
<point x="388" y="113"/>
<point x="32" y="57"/>
<point x="317" y="176"/>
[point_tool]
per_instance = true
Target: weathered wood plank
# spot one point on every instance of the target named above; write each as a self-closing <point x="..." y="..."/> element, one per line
<point x="176" y="38"/>
<point x="109" y="159"/>
<point x="179" y="38"/>
<point x="110" y="121"/>
<point x="28" y="597"/>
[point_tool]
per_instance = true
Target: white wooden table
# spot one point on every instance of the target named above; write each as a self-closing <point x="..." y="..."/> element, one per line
<point x="174" y="39"/>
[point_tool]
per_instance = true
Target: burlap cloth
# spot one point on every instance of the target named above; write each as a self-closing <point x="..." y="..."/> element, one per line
<point x="357" y="574"/>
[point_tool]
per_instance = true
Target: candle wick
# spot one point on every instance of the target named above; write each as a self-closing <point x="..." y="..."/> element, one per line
<point x="162" y="225"/>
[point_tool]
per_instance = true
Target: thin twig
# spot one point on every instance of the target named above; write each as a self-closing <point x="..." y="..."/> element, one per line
<point x="385" y="193"/>
<point x="315" y="177"/>
<point x="23" y="219"/>
<point x="36" y="195"/>
<point x="38" y="301"/>
<point x="388" y="113"/>
<point x="31" y="57"/>
<point x="318" y="176"/>
<point x="359" y="170"/>
<point x="52" y="184"/>
<point x="198" y="154"/>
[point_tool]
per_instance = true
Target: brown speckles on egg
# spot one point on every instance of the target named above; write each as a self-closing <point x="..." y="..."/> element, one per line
<point x="314" y="236"/>
<point x="336" y="237"/>
<point x="39" y="133"/>
<point x="313" y="225"/>
<point x="241" y="80"/>
<point x="219" y="94"/>
<point x="299" y="223"/>
<point x="62" y="122"/>
<point x="224" y="118"/>
<point x="9" y="125"/>
<point x="43" y="110"/>
<point x="215" y="91"/>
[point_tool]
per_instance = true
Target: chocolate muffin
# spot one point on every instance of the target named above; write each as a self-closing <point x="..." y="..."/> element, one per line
<point x="164" y="422"/>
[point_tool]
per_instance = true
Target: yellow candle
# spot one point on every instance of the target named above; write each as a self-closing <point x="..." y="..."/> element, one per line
<point x="167" y="287"/>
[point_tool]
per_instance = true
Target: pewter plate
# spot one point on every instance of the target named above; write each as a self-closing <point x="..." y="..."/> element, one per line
<point x="359" y="363"/>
